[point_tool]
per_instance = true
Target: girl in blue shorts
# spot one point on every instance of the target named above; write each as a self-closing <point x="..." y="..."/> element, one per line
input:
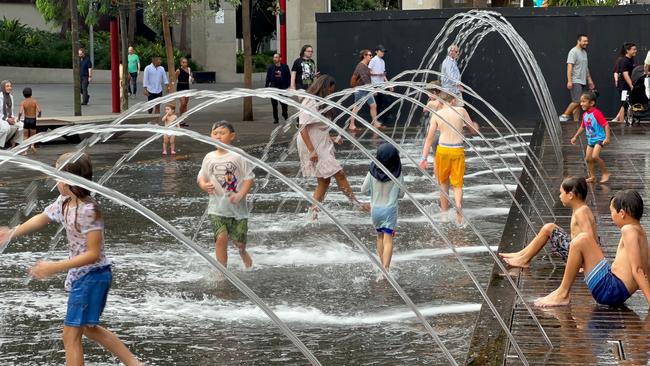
<point x="89" y="270"/>
<point x="384" y="195"/>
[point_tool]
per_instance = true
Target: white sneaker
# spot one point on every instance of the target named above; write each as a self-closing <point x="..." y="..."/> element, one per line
<point x="564" y="118"/>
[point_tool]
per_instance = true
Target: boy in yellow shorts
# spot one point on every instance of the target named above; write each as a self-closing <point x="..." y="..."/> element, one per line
<point x="450" y="153"/>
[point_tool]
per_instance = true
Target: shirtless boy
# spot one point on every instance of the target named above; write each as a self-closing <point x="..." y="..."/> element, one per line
<point x="609" y="285"/>
<point x="573" y="192"/>
<point x="450" y="152"/>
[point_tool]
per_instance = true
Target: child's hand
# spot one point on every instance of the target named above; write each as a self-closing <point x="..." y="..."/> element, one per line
<point x="573" y="140"/>
<point x="235" y="198"/>
<point x="313" y="156"/>
<point x="424" y="164"/>
<point x="5" y="233"/>
<point x="42" y="269"/>
<point x="365" y="207"/>
<point x="606" y="141"/>
<point x="337" y="139"/>
<point x="208" y="187"/>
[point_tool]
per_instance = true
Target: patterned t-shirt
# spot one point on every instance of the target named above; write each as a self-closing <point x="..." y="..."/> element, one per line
<point x="227" y="173"/>
<point x="86" y="221"/>
<point x="594" y="124"/>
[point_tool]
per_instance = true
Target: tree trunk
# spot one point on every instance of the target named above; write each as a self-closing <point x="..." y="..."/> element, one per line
<point x="169" y="47"/>
<point x="183" y="40"/>
<point x="248" y="58"/>
<point x="132" y="21"/>
<point x="124" y="46"/>
<point x="74" y="34"/>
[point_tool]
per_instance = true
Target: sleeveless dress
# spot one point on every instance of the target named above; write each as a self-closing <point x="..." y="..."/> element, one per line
<point x="183" y="82"/>
<point x="327" y="165"/>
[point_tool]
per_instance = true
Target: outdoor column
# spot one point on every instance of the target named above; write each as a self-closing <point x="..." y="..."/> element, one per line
<point x="213" y="42"/>
<point x="301" y="26"/>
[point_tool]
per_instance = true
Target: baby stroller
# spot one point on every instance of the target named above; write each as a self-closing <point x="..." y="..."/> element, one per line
<point x="637" y="100"/>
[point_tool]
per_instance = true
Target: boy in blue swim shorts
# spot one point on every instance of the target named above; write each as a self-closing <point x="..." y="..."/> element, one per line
<point x="609" y="284"/>
<point x="595" y="124"/>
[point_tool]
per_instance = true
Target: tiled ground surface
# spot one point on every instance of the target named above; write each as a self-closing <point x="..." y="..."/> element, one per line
<point x="580" y="332"/>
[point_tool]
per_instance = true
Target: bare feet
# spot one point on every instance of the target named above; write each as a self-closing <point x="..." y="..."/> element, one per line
<point x="605" y="177"/>
<point x="164" y="152"/>
<point x="246" y="258"/>
<point x="511" y="255"/>
<point x="519" y="262"/>
<point x="314" y="213"/>
<point x="379" y="126"/>
<point x="173" y="152"/>
<point x="590" y="179"/>
<point x="553" y="299"/>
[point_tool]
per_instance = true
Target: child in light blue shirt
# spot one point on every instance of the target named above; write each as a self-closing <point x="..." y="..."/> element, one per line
<point x="384" y="196"/>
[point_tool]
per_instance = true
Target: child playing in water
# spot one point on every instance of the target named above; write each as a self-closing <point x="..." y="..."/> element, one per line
<point x="227" y="178"/>
<point x="450" y="153"/>
<point x="29" y="109"/>
<point x="628" y="273"/>
<point x="168" y="119"/>
<point x="573" y="192"/>
<point x="89" y="270"/>
<point x="598" y="134"/>
<point x="384" y="193"/>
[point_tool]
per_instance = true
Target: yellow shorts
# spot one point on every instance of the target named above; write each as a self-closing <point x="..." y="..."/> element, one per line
<point x="450" y="165"/>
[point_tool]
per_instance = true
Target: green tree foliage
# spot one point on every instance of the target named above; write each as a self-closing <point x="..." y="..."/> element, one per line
<point x="583" y="2"/>
<point x="358" y="5"/>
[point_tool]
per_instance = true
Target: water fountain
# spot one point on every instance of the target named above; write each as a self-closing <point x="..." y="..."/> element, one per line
<point x="276" y="170"/>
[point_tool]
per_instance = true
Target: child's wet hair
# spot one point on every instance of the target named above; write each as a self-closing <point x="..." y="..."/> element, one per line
<point x="27" y="92"/>
<point x="629" y="201"/>
<point x="576" y="185"/>
<point x="591" y="96"/>
<point x="224" y="124"/>
<point x="82" y="167"/>
<point x="171" y="106"/>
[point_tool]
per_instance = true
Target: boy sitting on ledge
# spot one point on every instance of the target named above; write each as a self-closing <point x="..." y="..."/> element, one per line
<point x="628" y="273"/>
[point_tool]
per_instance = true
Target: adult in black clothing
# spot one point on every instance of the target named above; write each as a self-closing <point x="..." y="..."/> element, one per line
<point x="623" y="76"/>
<point x="85" y="75"/>
<point x="303" y="71"/>
<point x="183" y="76"/>
<point x="278" y="76"/>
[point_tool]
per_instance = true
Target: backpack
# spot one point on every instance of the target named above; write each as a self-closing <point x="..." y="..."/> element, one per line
<point x="354" y="80"/>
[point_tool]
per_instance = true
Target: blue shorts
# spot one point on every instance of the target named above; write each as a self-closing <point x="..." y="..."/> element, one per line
<point x="387" y="231"/>
<point x="605" y="287"/>
<point x="358" y="95"/>
<point x="88" y="297"/>
<point x="384" y="219"/>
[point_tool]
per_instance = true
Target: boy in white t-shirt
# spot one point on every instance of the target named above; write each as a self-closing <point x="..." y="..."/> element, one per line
<point x="227" y="178"/>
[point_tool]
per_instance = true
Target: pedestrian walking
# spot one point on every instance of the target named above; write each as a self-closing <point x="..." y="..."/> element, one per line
<point x="134" y="71"/>
<point x="85" y="75"/>
<point x="155" y="78"/>
<point x="377" y="67"/>
<point x="278" y="76"/>
<point x="303" y="71"/>
<point x="578" y="78"/>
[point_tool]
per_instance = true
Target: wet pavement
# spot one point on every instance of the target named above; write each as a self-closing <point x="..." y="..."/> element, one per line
<point x="583" y="333"/>
<point x="171" y="308"/>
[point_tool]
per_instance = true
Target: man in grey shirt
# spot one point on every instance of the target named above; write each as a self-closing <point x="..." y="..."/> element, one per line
<point x="578" y="77"/>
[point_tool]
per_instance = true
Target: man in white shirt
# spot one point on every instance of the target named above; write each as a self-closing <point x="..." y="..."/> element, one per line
<point x="377" y="67"/>
<point x="154" y="78"/>
<point x="451" y="74"/>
